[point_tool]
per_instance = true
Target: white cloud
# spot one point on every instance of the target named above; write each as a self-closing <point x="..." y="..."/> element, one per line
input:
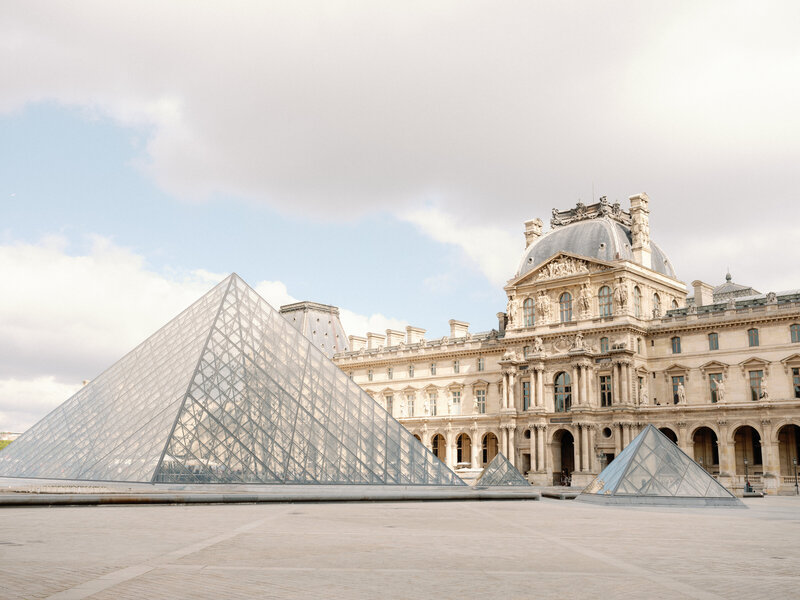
<point x="64" y="317"/>
<point x="355" y="324"/>
<point x="492" y="249"/>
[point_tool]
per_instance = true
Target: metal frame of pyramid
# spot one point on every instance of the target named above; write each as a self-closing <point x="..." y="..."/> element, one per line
<point x="227" y="392"/>
<point x="653" y="470"/>
<point x="500" y="472"/>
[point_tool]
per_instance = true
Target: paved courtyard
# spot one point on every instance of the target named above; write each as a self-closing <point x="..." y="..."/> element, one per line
<point x="512" y="549"/>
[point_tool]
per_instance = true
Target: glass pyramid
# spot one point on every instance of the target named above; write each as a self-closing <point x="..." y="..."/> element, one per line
<point x="227" y="392"/>
<point x="500" y="472"/>
<point x="653" y="466"/>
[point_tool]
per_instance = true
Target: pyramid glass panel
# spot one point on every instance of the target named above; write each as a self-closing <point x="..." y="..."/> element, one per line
<point x="652" y="466"/>
<point x="227" y="392"/>
<point x="500" y="472"/>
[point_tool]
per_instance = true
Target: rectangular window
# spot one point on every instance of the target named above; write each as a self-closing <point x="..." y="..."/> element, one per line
<point x="603" y="345"/>
<point x="433" y="368"/>
<point x="677" y="386"/>
<point x="456" y="367"/>
<point x="410" y="405"/>
<point x="713" y="341"/>
<point x="526" y="395"/>
<point x="456" y="410"/>
<point x="389" y="372"/>
<point x="795" y="333"/>
<point x="605" y="390"/>
<point x="369" y="375"/>
<point x="752" y="337"/>
<point x="713" y="382"/>
<point x="411" y="371"/>
<point x="526" y="351"/>
<point x="480" y="363"/>
<point x="432" y="403"/>
<point x="676" y="345"/>
<point x="756" y="378"/>
<point x="480" y="400"/>
<point x="796" y="381"/>
<point x="389" y="404"/>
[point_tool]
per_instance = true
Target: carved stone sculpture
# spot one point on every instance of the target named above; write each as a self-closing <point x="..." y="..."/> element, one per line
<point x="764" y="392"/>
<point x="720" y="389"/>
<point x="511" y="310"/>
<point x="538" y="345"/>
<point x="681" y="394"/>
<point x="643" y="397"/>
<point x="543" y="307"/>
<point x="577" y="342"/>
<point x="621" y="294"/>
<point x="585" y="301"/>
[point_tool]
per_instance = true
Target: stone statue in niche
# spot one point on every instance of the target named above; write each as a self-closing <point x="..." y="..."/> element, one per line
<point x="578" y="343"/>
<point x="681" y="391"/>
<point x="585" y="301"/>
<point x="621" y="294"/>
<point x="643" y="398"/>
<point x="538" y="345"/>
<point x="764" y="393"/>
<point x="402" y="408"/>
<point x="720" y="385"/>
<point x="543" y="307"/>
<point x="427" y="408"/>
<point x="511" y="310"/>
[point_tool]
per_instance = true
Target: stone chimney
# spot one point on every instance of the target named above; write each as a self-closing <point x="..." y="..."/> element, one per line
<point x="375" y="341"/>
<point x="703" y="293"/>
<point x="394" y="337"/>
<point x="502" y="319"/>
<point x="458" y="329"/>
<point x="414" y="334"/>
<point x="533" y="231"/>
<point x="357" y="342"/>
<point x="640" y="230"/>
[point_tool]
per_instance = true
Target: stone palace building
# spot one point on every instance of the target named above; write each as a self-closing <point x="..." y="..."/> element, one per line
<point x="599" y="339"/>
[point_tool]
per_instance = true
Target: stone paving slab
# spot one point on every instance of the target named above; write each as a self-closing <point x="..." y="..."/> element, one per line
<point x="508" y="549"/>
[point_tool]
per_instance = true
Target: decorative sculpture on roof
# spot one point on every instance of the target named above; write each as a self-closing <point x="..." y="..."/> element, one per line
<point x="561" y="267"/>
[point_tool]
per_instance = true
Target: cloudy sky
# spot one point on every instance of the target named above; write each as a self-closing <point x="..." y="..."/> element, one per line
<point x="381" y="157"/>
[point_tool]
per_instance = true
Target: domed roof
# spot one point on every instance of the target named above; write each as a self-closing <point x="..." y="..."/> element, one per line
<point x="603" y="238"/>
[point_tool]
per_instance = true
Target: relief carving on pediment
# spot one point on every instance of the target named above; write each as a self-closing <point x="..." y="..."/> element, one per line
<point x="565" y="266"/>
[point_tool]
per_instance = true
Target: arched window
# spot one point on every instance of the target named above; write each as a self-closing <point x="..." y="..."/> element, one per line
<point x="565" y="306"/>
<point x="604" y="301"/>
<point x="637" y="302"/>
<point x="674" y="304"/>
<point x="563" y="392"/>
<point x="603" y="345"/>
<point x="795" y="332"/>
<point x="656" y="306"/>
<point x="529" y="316"/>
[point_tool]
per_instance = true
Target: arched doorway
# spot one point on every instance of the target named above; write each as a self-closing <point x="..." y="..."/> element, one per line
<point x="439" y="447"/>
<point x="706" y="450"/>
<point x="789" y="452"/>
<point x="747" y="444"/>
<point x="489" y="448"/>
<point x="563" y="449"/>
<point x="463" y="449"/>
<point x="669" y="433"/>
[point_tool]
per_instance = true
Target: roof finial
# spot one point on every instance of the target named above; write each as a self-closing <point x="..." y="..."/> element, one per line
<point x="728" y="275"/>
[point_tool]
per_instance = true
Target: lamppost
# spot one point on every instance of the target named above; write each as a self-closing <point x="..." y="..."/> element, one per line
<point x="746" y="480"/>
<point x="796" y="489"/>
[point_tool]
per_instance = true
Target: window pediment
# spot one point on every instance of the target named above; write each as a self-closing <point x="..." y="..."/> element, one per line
<point x="753" y="364"/>
<point x="714" y="366"/>
<point x="676" y="370"/>
<point x="790" y="362"/>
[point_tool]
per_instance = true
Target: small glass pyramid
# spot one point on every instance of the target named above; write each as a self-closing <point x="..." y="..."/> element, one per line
<point x="652" y="466"/>
<point x="500" y="472"/>
<point x="227" y="392"/>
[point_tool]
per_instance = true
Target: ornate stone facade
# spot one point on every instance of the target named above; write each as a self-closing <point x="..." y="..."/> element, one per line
<point x="591" y="350"/>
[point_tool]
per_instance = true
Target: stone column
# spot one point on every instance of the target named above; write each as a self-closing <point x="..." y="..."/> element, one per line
<point x="540" y="455"/>
<point x="590" y="386"/>
<point x="512" y="382"/>
<point x="540" y="386"/>
<point x="534" y="457"/>
<point x="504" y="401"/>
<point x="503" y="440"/>
<point x="593" y="460"/>
<point x="577" y="450"/>
<point x="475" y="459"/>
<point x="450" y="459"/>
<point x="615" y="383"/>
<point x="627" y="382"/>
<point x="770" y="459"/>
<point x="584" y="391"/>
<point x="585" y="447"/>
<point x="576" y="397"/>
<point x="512" y="451"/>
<point x="617" y="427"/>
